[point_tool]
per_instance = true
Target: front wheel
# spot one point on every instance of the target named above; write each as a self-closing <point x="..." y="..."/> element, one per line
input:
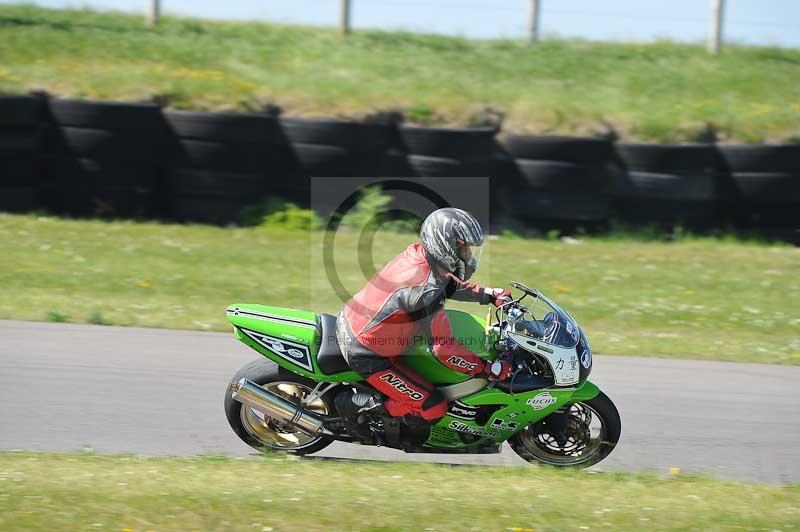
<point x="263" y="433"/>
<point x="576" y="435"/>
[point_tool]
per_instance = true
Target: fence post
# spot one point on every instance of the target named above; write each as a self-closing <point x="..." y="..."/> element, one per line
<point x="344" y="16"/>
<point x="533" y="29"/>
<point x="153" y="12"/>
<point x="715" y="28"/>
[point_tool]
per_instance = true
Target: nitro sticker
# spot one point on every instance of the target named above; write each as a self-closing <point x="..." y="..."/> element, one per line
<point x="399" y="384"/>
<point x="541" y="401"/>
<point x="461" y="363"/>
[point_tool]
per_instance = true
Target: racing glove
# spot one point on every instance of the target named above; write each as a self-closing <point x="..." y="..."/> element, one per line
<point x="500" y="296"/>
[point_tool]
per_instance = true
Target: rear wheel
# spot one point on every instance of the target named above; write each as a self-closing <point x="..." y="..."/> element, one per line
<point x="263" y="433"/>
<point x="576" y="435"/>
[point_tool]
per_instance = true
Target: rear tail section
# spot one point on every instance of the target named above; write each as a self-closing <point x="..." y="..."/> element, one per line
<point x="292" y="338"/>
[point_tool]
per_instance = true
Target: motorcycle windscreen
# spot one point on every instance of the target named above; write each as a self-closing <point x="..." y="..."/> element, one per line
<point x="551" y="325"/>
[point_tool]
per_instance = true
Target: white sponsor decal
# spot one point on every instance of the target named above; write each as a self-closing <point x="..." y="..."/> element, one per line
<point x="586" y="358"/>
<point x="461" y="427"/>
<point x="504" y="425"/>
<point x="542" y="400"/>
<point x="294" y="353"/>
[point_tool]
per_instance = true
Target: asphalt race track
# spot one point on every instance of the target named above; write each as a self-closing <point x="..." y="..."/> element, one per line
<point x="150" y="391"/>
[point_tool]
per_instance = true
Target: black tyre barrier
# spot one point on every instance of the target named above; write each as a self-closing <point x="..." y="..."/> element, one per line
<point x="644" y="197"/>
<point x="559" y="209"/>
<point x="760" y="158"/>
<point x="226" y="127"/>
<point x="215" y="183"/>
<point x="765" y="183"/>
<point x="578" y="150"/>
<point x="425" y="166"/>
<point x="210" y="155"/>
<point x="21" y="110"/>
<point x="18" y="198"/>
<point x="353" y="136"/>
<point x="690" y="159"/>
<point x="667" y="186"/>
<point x="556" y="176"/>
<point x="213" y="196"/>
<point x="769" y="188"/>
<point x="324" y="161"/>
<point x="15" y="139"/>
<point x="108" y="145"/>
<point x="91" y="186"/>
<point x="767" y="199"/>
<point x="117" y="158"/>
<point x="21" y="138"/>
<point x="450" y="143"/>
<point x="18" y="169"/>
<point x="115" y="116"/>
<point x="112" y="152"/>
<point x="207" y="209"/>
<point x="670" y="184"/>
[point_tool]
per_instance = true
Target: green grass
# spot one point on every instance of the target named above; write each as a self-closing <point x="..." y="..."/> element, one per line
<point x="658" y="91"/>
<point x="694" y="298"/>
<point x="89" y="492"/>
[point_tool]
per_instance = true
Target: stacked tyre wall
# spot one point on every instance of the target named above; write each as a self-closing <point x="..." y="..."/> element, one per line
<point x="559" y="180"/>
<point x="21" y="148"/>
<point x="143" y="161"/>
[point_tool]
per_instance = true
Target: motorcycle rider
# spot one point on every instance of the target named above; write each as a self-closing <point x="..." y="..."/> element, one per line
<point x="405" y="301"/>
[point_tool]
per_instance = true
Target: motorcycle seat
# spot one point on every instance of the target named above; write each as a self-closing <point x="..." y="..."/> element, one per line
<point x="329" y="357"/>
<point x="524" y="383"/>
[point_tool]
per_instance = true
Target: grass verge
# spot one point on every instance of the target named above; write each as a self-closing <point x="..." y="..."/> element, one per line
<point x="659" y="91"/>
<point x="70" y="492"/>
<point x="695" y="298"/>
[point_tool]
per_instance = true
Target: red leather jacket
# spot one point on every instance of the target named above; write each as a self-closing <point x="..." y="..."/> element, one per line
<point x="405" y="301"/>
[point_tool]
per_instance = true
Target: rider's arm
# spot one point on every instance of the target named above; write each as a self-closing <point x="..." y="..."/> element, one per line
<point x="459" y="290"/>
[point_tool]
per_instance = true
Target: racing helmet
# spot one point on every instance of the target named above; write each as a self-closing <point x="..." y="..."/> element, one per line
<point x="453" y="238"/>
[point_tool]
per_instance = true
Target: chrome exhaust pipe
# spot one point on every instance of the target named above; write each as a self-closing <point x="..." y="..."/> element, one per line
<point x="271" y="405"/>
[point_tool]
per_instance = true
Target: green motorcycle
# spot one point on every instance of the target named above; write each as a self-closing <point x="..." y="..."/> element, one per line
<point x="301" y="395"/>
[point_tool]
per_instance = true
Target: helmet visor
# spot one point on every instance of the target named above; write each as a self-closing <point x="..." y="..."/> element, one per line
<point x="471" y="255"/>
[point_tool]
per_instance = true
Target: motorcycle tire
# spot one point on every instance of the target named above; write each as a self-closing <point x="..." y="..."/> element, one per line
<point x="601" y="406"/>
<point x="263" y="372"/>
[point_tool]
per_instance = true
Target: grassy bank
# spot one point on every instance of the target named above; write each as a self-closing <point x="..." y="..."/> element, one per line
<point x="655" y="91"/>
<point x="698" y="298"/>
<point x="70" y="492"/>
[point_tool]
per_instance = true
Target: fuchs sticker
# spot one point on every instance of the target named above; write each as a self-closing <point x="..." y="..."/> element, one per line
<point x="400" y="385"/>
<point x="542" y="400"/>
<point x="461" y="363"/>
<point x="295" y="353"/>
<point x="586" y="358"/>
<point x="461" y="427"/>
<point x="462" y="411"/>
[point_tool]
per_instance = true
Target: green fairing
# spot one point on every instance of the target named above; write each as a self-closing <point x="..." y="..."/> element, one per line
<point x="468" y="330"/>
<point x="514" y="413"/>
